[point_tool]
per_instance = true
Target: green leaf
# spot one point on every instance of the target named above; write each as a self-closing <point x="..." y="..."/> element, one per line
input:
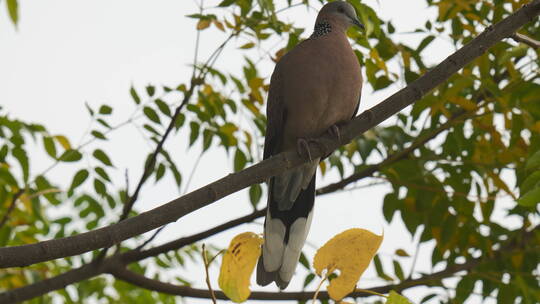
<point x="160" y="172"/>
<point x="163" y="107"/>
<point x="99" y="186"/>
<point x="390" y="205"/>
<point x="208" y="136"/>
<point x="239" y="160"/>
<point x="255" y="193"/>
<point x="151" y="114"/>
<point x="50" y="147"/>
<point x="102" y="173"/>
<point x="13" y="9"/>
<point x="5" y="235"/>
<point x="225" y="3"/>
<point x="194" y="132"/>
<point x="22" y="158"/>
<point x="425" y="42"/>
<point x="533" y="161"/>
<point x="379" y="269"/>
<point x="78" y="179"/>
<point x="134" y="95"/>
<point x="105" y="110"/>
<point x="427" y="298"/>
<point x="398" y="271"/>
<point x="530" y="199"/>
<point x="89" y="108"/>
<point x="98" y="135"/>
<point x="102" y="157"/>
<point x="179" y="121"/>
<point x="70" y="155"/>
<point x="309" y="278"/>
<point x="304" y="261"/>
<point x="150" y="90"/>
<point x="530" y="182"/>
<point x="464" y="289"/>
<point x="396" y="298"/>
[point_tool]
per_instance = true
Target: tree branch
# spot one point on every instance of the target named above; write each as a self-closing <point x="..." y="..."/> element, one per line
<point x="172" y="211"/>
<point x="526" y="39"/>
<point x="11" y="207"/>
<point x="120" y="272"/>
<point x="367" y="172"/>
<point x="139" y="280"/>
<point x="96" y="268"/>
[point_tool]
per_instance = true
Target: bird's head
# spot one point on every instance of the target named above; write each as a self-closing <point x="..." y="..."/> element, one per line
<point x="341" y="14"/>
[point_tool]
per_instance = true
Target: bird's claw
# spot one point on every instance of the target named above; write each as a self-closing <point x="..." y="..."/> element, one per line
<point x="334" y="131"/>
<point x="302" y="145"/>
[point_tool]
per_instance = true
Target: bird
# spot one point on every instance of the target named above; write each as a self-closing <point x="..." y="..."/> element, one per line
<point x="314" y="87"/>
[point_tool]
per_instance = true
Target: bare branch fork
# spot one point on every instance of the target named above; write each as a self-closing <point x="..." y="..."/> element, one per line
<point x="107" y="236"/>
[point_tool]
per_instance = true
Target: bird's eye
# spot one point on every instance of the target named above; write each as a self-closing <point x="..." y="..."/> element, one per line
<point x="340" y="9"/>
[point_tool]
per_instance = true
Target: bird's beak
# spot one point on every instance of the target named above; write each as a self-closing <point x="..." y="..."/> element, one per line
<point x="357" y="22"/>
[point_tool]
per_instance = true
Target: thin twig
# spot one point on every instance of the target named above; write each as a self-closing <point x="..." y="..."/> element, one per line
<point x="416" y="253"/>
<point x="370" y="292"/>
<point x="535" y="44"/>
<point x="11" y="207"/>
<point x="206" y="266"/>
<point x="316" y="293"/>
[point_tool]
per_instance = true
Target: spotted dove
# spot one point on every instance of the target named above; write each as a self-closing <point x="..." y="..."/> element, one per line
<point x="314" y="87"/>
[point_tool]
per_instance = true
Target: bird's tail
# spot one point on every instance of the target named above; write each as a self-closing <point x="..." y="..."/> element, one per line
<point x="286" y="226"/>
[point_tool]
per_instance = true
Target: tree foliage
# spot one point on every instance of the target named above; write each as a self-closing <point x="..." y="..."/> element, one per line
<point x="466" y="151"/>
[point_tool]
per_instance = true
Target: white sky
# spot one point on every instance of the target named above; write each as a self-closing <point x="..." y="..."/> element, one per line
<point x="65" y="53"/>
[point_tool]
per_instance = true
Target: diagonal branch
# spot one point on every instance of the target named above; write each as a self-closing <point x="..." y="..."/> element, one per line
<point x="172" y="211"/>
<point x="96" y="268"/>
<point x="11" y="207"/>
<point x="419" y="142"/>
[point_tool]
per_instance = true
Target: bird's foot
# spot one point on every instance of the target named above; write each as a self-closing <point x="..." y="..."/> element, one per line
<point x="334" y="131"/>
<point x="302" y="146"/>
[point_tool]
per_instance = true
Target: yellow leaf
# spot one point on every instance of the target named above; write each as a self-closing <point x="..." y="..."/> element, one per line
<point x="322" y="165"/>
<point x="351" y="252"/>
<point x="279" y="54"/>
<point x="396" y="298"/>
<point x="202" y="24"/>
<point x="219" y="25"/>
<point x="63" y="141"/>
<point x="402" y="253"/>
<point x="247" y="45"/>
<point x="237" y="265"/>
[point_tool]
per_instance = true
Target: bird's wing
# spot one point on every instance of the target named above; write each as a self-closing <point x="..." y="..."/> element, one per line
<point x="276" y="115"/>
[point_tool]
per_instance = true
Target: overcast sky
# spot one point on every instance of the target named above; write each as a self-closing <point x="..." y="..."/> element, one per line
<point x="65" y="53"/>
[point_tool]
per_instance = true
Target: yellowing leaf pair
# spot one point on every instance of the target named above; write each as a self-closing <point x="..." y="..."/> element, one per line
<point x="237" y="265"/>
<point x="351" y="252"/>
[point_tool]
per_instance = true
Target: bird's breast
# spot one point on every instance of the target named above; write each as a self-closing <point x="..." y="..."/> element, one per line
<point x="321" y="90"/>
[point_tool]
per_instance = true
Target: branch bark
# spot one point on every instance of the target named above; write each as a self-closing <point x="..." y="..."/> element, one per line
<point x="139" y="280"/>
<point x="126" y="275"/>
<point x="104" y="237"/>
<point x="367" y="172"/>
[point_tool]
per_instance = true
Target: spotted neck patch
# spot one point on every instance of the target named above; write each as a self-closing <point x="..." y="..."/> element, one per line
<point x="322" y="28"/>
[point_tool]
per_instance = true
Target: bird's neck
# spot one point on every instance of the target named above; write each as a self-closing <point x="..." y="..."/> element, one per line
<point x="322" y="28"/>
